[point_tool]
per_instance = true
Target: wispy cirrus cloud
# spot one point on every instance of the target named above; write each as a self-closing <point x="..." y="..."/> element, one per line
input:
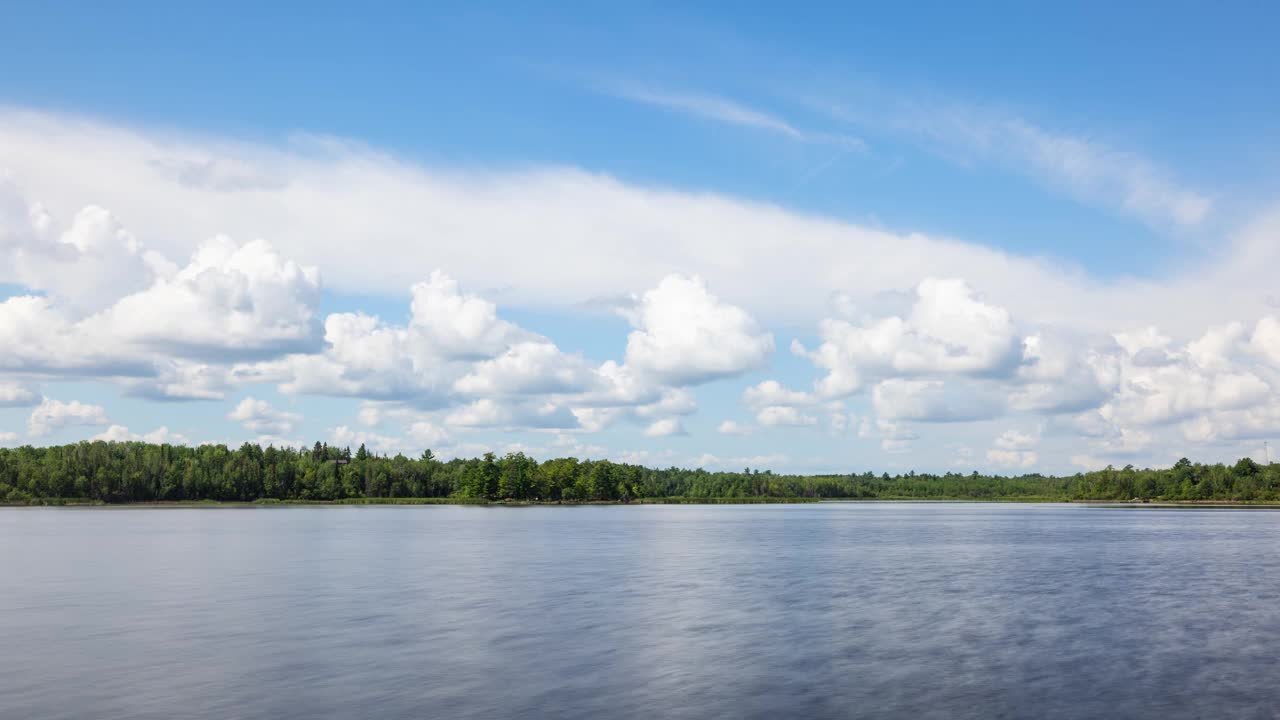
<point x="1092" y="171"/>
<point x="728" y="111"/>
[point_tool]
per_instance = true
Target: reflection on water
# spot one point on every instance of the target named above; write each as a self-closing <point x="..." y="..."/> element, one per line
<point x="848" y="610"/>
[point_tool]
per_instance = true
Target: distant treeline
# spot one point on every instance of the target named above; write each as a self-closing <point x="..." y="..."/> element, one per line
<point x="123" y="472"/>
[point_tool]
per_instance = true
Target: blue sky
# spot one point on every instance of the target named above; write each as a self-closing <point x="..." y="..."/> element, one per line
<point x="1096" y="179"/>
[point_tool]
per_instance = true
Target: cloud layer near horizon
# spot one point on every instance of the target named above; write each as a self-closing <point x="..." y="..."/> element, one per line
<point x="180" y="267"/>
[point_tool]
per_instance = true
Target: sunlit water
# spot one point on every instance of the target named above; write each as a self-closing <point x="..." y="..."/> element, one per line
<point x="841" y="610"/>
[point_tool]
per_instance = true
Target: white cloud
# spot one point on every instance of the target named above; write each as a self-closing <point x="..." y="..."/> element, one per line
<point x="671" y="401"/>
<point x="273" y="440"/>
<point x="685" y="335"/>
<point x="144" y="314"/>
<point x="40" y="338"/>
<point x="231" y="299"/>
<point x="1261" y="422"/>
<point x="1012" y="458"/>
<point x="163" y="435"/>
<point x="1065" y="374"/>
<point x="1087" y="169"/>
<point x="1102" y="174"/>
<point x="260" y="417"/>
<point x="178" y="380"/>
<point x="512" y="230"/>
<point x="1209" y="374"/>
<point x="1016" y="440"/>
<point x="8" y="439"/>
<point x="730" y="112"/>
<point x="951" y="351"/>
<point x="947" y="330"/>
<point x="424" y="359"/>
<point x="532" y="367"/>
<point x="1266" y="339"/>
<point x="159" y="436"/>
<point x="489" y="413"/>
<point x="15" y="394"/>
<point x="731" y="427"/>
<point x="781" y="415"/>
<point x="51" y="414"/>
<point x="346" y="437"/>
<point x="772" y="392"/>
<point x="455" y="325"/>
<point x="737" y="463"/>
<point x="456" y="356"/>
<point x="666" y="427"/>
<point x="935" y="401"/>
<point x="115" y="433"/>
<point x="894" y="437"/>
<point x="427" y="434"/>
<point x="370" y="414"/>
<point x="1014" y="448"/>
<point x="711" y="107"/>
<point x="87" y="264"/>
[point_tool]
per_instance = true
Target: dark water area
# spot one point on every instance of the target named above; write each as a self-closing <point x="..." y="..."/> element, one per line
<point x="816" y="611"/>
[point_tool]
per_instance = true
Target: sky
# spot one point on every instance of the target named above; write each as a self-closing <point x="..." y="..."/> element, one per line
<point x="1000" y="236"/>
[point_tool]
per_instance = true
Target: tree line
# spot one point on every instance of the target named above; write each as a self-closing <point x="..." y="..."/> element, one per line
<point x="125" y="472"/>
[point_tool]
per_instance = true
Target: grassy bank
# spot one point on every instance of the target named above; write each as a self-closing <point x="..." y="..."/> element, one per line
<point x="273" y="502"/>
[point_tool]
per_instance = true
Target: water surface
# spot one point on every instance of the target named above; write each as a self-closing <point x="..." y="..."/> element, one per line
<point x="832" y="610"/>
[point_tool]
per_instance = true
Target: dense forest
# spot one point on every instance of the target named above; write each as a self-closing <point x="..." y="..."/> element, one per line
<point x="123" y="472"/>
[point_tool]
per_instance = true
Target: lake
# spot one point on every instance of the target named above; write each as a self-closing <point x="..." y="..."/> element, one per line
<point x="906" y="610"/>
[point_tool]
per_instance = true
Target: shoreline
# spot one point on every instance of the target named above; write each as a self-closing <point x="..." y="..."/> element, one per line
<point x="479" y="502"/>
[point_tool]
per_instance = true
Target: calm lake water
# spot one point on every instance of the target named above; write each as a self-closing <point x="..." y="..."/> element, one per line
<point x="833" y="610"/>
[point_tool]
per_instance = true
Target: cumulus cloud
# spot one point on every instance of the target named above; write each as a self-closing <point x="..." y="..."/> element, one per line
<point x="427" y="434"/>
<point x="346" y="437"/>
<point x="531" y="367"/>
<point x="739" y="462"/>
<point x="935" y="401"/>
<point x="40" y="338"/>
<point x="159" y="436"/>
<point x="1014" y="448"/>
<point x="16" y="394"/>
<point x="1066" y="374"/>
<point x="490" y="413"/>
<point x="457" y="356"/>
<point x="52" y="414"/>
<point x="423" y="359"/>
<point x="684" y="335"/>
<point x="894" y="437"/>
<point x="732" y="427"/>
<point x="109" y="308"/>
<point x="1210" y="374"/>
<point x="176" y="380"/>
<point x="779" y="415"/>
<point x="948" y="329"/>
<point x="772" y="392"/>
<point x="231" y="299"/>
<point x="776" y="405"/>
<point x="665" y="427"/>
<point x="260" y="417"/>
<point x="455" y="325"/>
<point x="1265" y="340"/>
<point x="596" y="413"/>
<point x="85" y="265"/>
